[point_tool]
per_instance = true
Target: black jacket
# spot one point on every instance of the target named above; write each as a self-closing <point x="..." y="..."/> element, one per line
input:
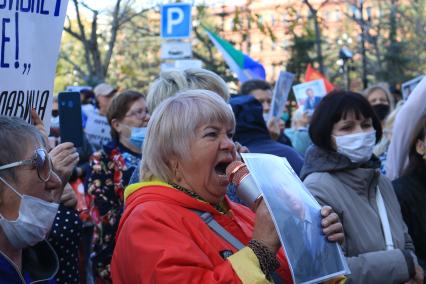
<point x="251" y="131"/>
<point x="411" y="192"/>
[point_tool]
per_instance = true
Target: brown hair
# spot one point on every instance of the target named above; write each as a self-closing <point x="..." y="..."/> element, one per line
<point x="119" y="106"/>
<point x="415" y="160"/>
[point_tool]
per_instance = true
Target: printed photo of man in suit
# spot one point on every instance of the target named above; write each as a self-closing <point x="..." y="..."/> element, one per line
<point x="311" y="101"/>
<point x="310" y="254"/>
<point x="297" y="218"/>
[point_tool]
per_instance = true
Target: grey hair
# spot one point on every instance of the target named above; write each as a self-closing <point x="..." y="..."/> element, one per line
<point x="171" y="82"/>
<point x="173" y="125"/>
<point x="14" y="134"/>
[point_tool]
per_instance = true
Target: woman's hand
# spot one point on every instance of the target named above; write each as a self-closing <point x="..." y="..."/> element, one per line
<point x="68" y="197"/>
<point x="264" y="229"/>
<point x="274" y="128"/>
<point x="331" y="225"/>
<point x="38" y="123"/>
<point x="240" y="149"/>
<point x="64" y="159"/>
<point x="419" y="276"/>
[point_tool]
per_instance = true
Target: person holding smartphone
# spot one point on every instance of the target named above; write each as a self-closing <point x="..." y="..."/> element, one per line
<point x="110" y="171"/>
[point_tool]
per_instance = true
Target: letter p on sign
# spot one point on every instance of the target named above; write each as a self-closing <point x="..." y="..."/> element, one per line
<point x="176" y="20"/>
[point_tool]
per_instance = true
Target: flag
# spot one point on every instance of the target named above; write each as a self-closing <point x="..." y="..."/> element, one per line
<point x="241" y="64"/>
<point x="313" y="74"/>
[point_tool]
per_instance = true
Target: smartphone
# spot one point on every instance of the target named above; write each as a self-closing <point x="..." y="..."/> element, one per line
<point x="70" y="121"/>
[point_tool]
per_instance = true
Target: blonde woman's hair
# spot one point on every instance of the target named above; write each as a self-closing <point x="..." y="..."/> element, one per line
<point x="383" y="145"/>
<point x="385" y="89"/>
<point x="171" y="82"/>
<point x="173" y="125"/>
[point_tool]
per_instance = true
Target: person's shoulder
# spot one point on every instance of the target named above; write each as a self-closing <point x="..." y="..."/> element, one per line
<point x="403" y="187"/>
<point x="319" y="178"/>
<point x="323" y="186"/>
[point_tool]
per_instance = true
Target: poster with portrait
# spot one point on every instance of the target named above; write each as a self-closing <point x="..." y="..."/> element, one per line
<point x="308" y="95"/>
<point x="409" y="86"/>
<point x="297" y="219"/>
<point x="31" y="35"/>
<point x="280" y="95"/>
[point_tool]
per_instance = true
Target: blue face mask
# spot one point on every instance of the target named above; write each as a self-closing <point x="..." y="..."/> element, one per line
<point x="285" y="117"/>
<point x="137" y="136"/>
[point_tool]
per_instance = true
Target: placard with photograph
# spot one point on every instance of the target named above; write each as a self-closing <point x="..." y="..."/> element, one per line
<point x="297" y="219"/>
<point x="309" y="94"/>
<point x="280" y="95"/>
<point x="409" y="86"/>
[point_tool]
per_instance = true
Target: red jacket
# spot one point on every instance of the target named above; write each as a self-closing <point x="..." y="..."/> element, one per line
<point x="161" y="240"/>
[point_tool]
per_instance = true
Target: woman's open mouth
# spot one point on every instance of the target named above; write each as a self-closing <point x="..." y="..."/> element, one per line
<point x="220" y="168"/>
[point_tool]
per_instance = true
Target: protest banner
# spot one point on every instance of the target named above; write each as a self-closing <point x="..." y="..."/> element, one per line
<point x="96" y="127"/>
<point x="280" y="95"/>
<point x="30" y="35"/>
<point x="309" y="94"/>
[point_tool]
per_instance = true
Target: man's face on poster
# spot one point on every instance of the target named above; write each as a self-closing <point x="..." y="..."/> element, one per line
<point x="293" y="202"/>
<point x="309" y="92"/>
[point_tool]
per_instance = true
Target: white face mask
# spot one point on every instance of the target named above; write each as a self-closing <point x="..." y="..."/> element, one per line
<point x="34" y="222"/>
<point x="357" y="147"/>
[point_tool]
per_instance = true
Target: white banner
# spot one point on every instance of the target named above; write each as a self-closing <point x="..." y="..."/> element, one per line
<point x="96" y="128"/>
<point x="30" y="36"/>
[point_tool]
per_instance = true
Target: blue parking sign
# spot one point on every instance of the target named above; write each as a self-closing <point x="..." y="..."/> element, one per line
<point x="176" y="20"/>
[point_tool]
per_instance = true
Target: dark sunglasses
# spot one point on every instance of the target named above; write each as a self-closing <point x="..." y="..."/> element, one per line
<point x="41" y="161"/>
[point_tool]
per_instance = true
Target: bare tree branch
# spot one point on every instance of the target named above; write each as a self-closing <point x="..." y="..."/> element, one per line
<point x="114" y="29"/>
<point x="74" y="65"/>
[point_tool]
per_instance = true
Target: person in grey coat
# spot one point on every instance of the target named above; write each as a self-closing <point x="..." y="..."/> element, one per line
<point x="341" y="171"/>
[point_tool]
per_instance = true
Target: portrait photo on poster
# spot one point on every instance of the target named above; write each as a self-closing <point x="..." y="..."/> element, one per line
<point x="408" y="87"/>
<point x="297" y="219"/>
<point x="308" y="95"/>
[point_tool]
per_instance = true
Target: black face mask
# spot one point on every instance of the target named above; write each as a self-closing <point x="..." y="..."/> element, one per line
<point x="381" y="110"/>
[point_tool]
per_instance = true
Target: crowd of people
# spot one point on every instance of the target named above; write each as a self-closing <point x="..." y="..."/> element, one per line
<point x="130" y="205"/>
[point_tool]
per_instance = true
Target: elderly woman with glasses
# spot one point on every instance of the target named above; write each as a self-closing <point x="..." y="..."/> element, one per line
<point x="162" y="237"/>
<point x="29" y="196"/>
<point x="110" y="171"/>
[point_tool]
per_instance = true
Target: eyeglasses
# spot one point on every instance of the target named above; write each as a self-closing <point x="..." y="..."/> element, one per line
<point x="137" y="113"/>
<point x="41" y="161"/>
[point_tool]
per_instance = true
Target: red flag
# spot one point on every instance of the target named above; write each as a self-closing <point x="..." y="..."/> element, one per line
<point x="313" y="74"/>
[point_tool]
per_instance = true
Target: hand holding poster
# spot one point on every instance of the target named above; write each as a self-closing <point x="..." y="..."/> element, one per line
<point x="308" y="95"/>
<point x="297" y="219"/>
<point x="30" y="34"/>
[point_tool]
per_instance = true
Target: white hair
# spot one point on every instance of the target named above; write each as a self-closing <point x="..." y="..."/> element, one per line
<point x="171" y="82"/>
<point x="173" y="125"/>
